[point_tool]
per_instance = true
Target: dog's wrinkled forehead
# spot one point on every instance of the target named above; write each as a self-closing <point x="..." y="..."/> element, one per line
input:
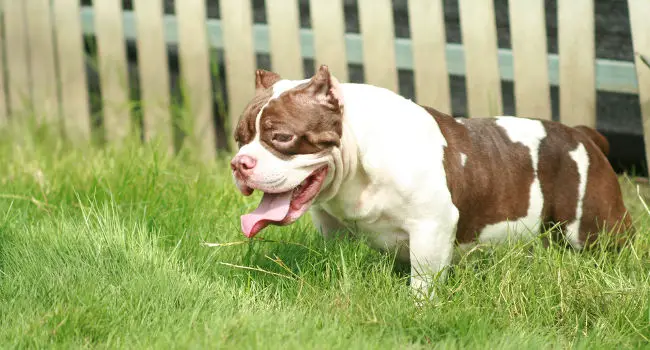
<point x="291" y="117"/>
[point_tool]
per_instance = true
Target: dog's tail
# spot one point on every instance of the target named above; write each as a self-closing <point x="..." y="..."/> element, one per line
<point x="598" y="138"/>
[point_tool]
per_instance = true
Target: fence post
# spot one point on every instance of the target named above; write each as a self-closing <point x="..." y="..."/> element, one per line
<point x="328" y="26"/>
<point x="528" y="37"/>
<point x="576" y="42"/>
<point x="154" y="73"/>
<point x="639" y="22"/>
<point x="237" y="21"/>
<point x="479" y="35"/>
<point x="41" y="48"/>
<point x="3" y="102"/>
<point x="378" y="33"/>
<point x="113" y="72"/>
<point x="195" y="73"/>
<point x="284" y="36"/>
<point x="427" y="26"/>
<point x="72" y="71"/>
<point x="18" y="72"/>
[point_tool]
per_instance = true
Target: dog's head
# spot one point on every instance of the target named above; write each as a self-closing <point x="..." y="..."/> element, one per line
<point x="287" y="135"/>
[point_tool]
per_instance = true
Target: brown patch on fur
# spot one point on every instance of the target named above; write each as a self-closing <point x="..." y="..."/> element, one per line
<point x="245" y="128"/>
<point x="494" y="184"/>
<point x="303" y="120"/>
<point x="602" y="207"/>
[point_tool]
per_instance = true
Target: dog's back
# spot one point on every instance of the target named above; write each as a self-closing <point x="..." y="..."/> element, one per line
<point x="509" y="174"/>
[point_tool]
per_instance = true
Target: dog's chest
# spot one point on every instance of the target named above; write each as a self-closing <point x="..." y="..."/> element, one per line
<point x="371" y="211"/>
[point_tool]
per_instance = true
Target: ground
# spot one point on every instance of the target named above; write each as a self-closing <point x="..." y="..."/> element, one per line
<point x="104" y="248"/>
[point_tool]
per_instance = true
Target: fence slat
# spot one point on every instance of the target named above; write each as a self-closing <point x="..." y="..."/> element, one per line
<point x="72" y="71"/>
<point x="328" y="26"/>
<point x="18" y="73"/>
<point x="154" y="75"/>
<point x="284" y="25"/>
<point x="113" y="72"/>
<point x="528" y="38"/>
<point x="41" y="48"/>
<point x="577" y="53"/>
<point x="195" y="73"/>
<point x="3" y="102"/>
<point x="237" y="21"/>
<point x="479" y="37"/>
<point x="378" y="33"/>
<point x="427" y="26"/>
<point x="639" y="14"/>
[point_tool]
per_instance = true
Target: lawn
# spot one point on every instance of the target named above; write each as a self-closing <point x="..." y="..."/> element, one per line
<point x="104" y="248"/>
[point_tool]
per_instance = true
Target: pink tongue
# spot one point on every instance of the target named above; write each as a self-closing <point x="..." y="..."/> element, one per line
<point x="274" y="207"/>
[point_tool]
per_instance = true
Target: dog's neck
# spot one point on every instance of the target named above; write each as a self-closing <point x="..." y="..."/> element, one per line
<point x="343" y="165"/>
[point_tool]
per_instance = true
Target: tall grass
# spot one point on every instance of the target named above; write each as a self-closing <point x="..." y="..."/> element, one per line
<point x="105" y="248"/>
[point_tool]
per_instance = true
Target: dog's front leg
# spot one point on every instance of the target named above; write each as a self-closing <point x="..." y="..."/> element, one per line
<point x="327" y="225"/>
<point x="431" y="249"/>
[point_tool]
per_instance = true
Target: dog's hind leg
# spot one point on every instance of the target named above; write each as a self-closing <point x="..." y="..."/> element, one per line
<point x="600" y="208"/>
<point x="605" y="214"/>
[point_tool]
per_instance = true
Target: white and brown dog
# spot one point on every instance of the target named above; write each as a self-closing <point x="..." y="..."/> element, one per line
<point x="414" y="180"/>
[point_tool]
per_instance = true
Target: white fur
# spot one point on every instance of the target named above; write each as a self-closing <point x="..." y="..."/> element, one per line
<point x="284" y="85"/>
<point x="463" y="159"/>
<point x="390" y="195"/>
<point x="580" y="156"/>
<point x="530" y="133"/>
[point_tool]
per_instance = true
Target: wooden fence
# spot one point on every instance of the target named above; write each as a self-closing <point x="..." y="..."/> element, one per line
<point x="44" y="75"/>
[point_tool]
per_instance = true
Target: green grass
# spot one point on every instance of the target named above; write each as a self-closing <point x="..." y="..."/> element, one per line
<point x="103" y="248"/>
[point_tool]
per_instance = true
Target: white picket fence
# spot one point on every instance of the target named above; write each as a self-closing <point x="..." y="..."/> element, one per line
<point x="44" y="73"/>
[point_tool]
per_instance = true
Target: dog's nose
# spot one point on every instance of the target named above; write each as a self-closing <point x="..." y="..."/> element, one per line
<point x="243" y="163"/>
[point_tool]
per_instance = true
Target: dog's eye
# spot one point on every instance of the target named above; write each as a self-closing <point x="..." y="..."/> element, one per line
<point x="282" y="137"/>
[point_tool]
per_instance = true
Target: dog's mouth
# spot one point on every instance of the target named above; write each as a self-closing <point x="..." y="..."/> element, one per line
<point x="286" y="207"/>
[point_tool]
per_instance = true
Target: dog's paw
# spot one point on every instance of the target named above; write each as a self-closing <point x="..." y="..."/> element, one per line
<point x="423" y="295"/>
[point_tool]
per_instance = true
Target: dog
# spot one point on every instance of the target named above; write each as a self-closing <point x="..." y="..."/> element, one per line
<point x="413" y="180"/>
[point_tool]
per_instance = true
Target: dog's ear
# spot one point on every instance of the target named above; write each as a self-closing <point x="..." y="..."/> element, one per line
<point x="265" y="79"/>
<point x="326" y="89"/>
